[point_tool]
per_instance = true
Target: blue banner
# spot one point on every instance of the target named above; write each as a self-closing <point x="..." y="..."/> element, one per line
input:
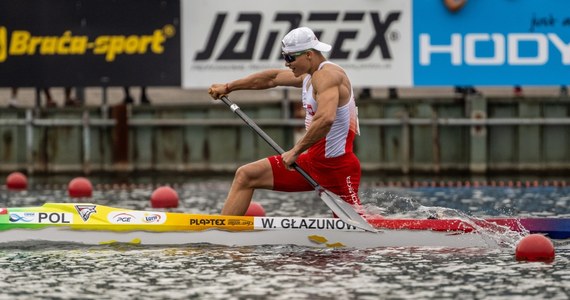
<point x="492" y="42"/>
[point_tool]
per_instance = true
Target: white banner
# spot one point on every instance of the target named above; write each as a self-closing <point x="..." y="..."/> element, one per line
<point x="223" y="40"/>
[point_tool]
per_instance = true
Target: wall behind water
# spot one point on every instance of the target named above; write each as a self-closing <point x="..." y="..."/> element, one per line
<point x="439" y="135"/>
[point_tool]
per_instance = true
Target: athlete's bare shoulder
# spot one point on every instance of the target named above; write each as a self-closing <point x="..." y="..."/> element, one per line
<point x="329" y="73"/>
<point x="331" y="77"/>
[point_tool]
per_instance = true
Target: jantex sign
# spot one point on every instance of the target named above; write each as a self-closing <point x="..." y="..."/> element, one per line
<point x="226" y="39"/>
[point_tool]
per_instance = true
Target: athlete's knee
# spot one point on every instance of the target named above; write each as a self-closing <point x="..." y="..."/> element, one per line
<point x="244" y="176"/>
<point x="241" y="174"/>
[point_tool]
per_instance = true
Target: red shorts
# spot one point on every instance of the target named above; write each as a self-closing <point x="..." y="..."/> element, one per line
<point x="340" y="175"/>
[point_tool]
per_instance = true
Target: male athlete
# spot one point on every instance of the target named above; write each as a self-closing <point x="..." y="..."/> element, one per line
<point x="325" y="151"/>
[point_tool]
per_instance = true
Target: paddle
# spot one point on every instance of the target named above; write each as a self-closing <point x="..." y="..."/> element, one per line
<point x="342" y="209"/>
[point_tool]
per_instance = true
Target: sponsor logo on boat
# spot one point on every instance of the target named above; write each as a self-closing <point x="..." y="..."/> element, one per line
<point x="238" y="222"/>
<point x="152" y="218"/>
<point x="22" y="217"/>
<point x="122" y="218"/>
<point x="212" y="221"/>
<point x="136" y="217"/>
<point x="3" y="211"/>
<point x="303" y="223"/>
<point x="85" y="211"/>
<point x="41" y="217"/>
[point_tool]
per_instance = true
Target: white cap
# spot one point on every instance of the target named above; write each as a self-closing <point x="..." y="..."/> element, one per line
<point x="302" y="38"/>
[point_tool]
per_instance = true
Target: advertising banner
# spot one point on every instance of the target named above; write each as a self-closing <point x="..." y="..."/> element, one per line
<point x="492" y="42"/>
<point x="89" y="43"/>
<point x="194" y="43"/>
<point x="225" y="40"/>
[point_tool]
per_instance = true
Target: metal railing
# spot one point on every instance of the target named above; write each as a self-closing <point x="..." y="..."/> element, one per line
<point x="87" y="122"/>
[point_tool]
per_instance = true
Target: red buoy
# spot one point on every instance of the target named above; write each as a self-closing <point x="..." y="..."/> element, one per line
<point x="164" y="197"/>
<point x="80" y="187"/>
<point x="255" y="210"/>
<point x="535" y="247"/>
<point x="16" y="181"/>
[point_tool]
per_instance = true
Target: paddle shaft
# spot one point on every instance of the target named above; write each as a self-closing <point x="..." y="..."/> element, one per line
<point x="235" y="108"/>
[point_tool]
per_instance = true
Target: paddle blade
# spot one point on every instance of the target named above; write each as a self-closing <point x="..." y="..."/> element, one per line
<point x="344" y="210"/>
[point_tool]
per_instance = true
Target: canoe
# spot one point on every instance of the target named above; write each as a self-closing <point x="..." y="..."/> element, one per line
<point x="92" y="224"/>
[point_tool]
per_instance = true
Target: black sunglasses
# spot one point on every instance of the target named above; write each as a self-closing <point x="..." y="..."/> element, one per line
<point x="290" y="57"/>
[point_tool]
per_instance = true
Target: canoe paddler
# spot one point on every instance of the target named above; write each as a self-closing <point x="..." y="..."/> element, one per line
<point x="326" y="149"/>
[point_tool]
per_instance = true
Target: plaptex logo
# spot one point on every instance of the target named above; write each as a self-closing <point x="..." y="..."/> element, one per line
<point x="25" y="43"/>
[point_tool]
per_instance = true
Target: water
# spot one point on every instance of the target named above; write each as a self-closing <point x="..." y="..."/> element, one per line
<point x="287" y="272"/>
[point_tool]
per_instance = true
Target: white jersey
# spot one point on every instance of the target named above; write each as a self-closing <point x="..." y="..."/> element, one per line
<point x="340" y="138"/>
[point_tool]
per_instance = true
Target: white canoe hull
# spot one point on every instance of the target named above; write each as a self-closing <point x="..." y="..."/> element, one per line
<point x="310" y="238"/>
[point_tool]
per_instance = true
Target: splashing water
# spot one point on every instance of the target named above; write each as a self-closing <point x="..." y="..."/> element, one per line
<point x="392" y="205"/>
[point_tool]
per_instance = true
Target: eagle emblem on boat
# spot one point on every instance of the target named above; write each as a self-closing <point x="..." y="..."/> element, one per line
<point x="85" y="211"/>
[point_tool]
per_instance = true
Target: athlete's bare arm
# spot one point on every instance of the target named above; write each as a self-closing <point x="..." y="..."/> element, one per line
<point x="257" y="81"/>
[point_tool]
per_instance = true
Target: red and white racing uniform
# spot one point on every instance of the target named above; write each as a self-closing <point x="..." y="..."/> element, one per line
<point x="330" y="161"/>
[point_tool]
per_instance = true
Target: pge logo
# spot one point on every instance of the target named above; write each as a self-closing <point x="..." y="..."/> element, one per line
<point x="122" y="218"/>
